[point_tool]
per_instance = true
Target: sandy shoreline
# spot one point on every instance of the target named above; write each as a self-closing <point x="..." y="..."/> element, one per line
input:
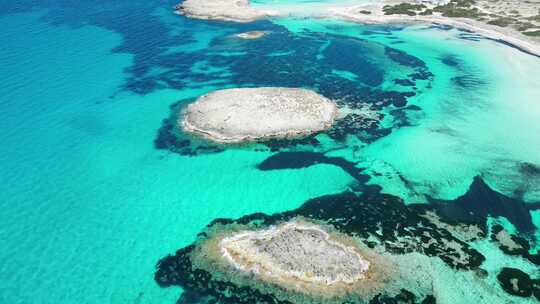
<point x="489" y="31"/>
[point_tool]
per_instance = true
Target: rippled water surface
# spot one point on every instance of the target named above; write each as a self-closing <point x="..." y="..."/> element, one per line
<point x="98" y="183"/>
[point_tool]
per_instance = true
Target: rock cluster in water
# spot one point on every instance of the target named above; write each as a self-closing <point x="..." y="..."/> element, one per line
<point x="247" y="114"/>
<point x="519" y="283"/>
<point x="224" y="10"/>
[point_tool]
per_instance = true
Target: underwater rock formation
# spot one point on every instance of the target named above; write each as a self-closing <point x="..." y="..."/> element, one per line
<point x="247" y="114"/>
<point x="169" y="137"/>
<point x="513" y="245"/>
<point x="482" y="201"/>
<point x="251" y="35"/>
<point x="518" y="283"/>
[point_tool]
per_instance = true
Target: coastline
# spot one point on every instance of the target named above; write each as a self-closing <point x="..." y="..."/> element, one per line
<point x="220" y="139"/>
<point x="511" y="37"/>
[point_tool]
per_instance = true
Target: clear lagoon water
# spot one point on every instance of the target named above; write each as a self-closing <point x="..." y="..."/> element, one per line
<point x="96" y="188"/>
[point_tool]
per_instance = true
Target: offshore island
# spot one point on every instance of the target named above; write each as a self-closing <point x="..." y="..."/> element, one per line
<point x="247" y="114"/>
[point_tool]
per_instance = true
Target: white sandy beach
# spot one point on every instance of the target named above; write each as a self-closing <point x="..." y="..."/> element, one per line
<point x="377" y="16"/>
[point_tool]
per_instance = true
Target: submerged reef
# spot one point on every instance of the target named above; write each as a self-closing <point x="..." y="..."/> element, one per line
<point x="170" y="137"/>
<point x="519" y="283"/>
<point x="350" y="247"/>
<point x="481" y="201"/>
<point x="512" y="244"/>
<point x="248" y="114"/>
<point x="251" y="35"/>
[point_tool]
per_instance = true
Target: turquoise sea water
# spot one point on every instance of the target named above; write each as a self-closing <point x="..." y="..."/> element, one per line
<point x="90" y="202"/>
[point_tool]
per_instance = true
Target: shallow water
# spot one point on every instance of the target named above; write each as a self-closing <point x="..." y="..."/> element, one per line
<point x="93" y="196"/>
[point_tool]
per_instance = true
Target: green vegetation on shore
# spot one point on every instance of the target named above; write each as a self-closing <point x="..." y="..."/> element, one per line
<point x="403" y="9"/>
<point x="466" y="9"/>
<point x="525" y="26"/>
<point x="501" y="21"/>
<point x="455" y="8"/>
<point x="459" y="8"/>
<point x="532" y="33"/>
<point x="427" y="12"/>
<point x="534" y="18"/>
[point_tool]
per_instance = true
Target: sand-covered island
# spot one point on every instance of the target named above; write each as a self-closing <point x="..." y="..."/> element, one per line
<point x="248" y="114"/>
<point x="224" y="10"/>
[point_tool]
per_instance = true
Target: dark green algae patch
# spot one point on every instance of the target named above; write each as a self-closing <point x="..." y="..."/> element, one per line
<point x="377" y="221"/>
<point x="519" y="283"/>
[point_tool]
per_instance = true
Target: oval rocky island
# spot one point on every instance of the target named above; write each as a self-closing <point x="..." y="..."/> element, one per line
<point x="280" y="254"/>
<point x="249" y="114"/>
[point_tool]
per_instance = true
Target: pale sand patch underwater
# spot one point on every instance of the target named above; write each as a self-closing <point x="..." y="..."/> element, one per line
<point x="251" y="35"/>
